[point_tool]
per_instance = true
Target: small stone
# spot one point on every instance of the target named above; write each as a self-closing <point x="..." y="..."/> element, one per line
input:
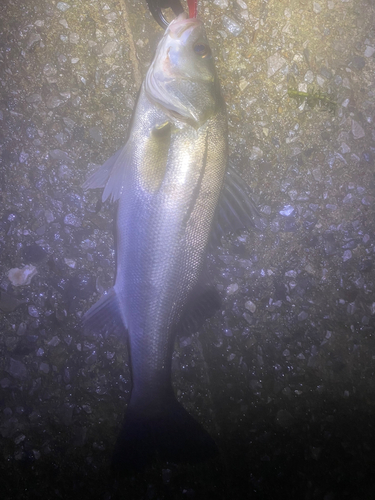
<point x="231" y="289"/>
<point x="232" y="26"/>
<point x="17" y="369"/>
<point x="223" y="4"/>
<point x="243" y="83"/>
<point x="369" y="52"/>
<point x="302" y="316"/>
<point x="74" y="38"/>
<point x="317" y="8"/>
<point x="287" y="210"/>
<point x="357" y="130"/>
<point x="33" y="39"/>
<point x="320" y="80"/>
<point x="21" y="330"/>
<point x="34" y="98"/>
<point x="22" y="276"/>
<point x="291" y="274"/>
<point x="71" y="263"/>
<point x="309" y="76"/>
<point x="242" y="4"/>
<point x="274" y="64"/>
<point x="58" y="154"/>
<point x="49" y="70"/>
<point x="248" y="318"/>
<point x="19" y="439"/>
<point x="256" y="153"/>
<point x="64" y="23"/>
<point x="54" y="102"/>
<point x="250" y="306"/>
<point x="317" y="173"/>
<point x="348" y="199"/>
<point x="54" y="341"/>
<point x="344" y="148"/>
<point x="63" y="6"/>
<point x="358" y="62"/>
<point x="44" y="367"/>
<point x="347" y="255"/>
<point x="109" y="48"/>
<point x="112" y="16"/>
<point x="72" y="220"/>
<point x="96" y="134"/>
<point x="33" y="311"/>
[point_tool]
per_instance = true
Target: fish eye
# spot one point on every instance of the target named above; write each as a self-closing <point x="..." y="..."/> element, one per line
<point x="201" y="49"/>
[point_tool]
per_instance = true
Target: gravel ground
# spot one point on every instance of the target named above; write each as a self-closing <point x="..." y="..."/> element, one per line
<point x="283" y="376"/>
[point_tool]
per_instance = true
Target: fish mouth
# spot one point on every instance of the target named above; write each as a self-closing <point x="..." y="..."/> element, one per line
<point x="181" y="24"/>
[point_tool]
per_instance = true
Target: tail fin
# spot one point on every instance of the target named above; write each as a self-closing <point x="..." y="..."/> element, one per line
<point x="170" y="435"/>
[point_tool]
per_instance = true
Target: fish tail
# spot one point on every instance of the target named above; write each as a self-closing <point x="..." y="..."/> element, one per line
<point x="169" y="435"/>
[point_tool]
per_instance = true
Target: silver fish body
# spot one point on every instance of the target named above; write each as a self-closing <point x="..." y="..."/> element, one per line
<point x="167" y="179"/>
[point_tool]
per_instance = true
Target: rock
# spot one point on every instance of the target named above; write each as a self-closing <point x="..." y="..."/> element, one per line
<point x="17" y="369"/>
<point x="274" y="64"/>
<point x="22" y="276"/>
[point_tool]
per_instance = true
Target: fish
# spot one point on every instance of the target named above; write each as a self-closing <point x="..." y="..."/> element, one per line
<point x="175" y="195"/>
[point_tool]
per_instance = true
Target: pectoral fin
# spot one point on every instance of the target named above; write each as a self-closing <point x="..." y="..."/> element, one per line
<point x="146" y="156"/>
<point x="236" y="210"/>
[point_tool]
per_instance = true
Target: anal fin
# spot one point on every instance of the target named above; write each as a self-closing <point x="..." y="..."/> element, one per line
<point x="104" y="317"/>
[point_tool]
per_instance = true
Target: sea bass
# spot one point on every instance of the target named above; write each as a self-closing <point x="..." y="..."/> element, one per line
<point x="168" y="179"/>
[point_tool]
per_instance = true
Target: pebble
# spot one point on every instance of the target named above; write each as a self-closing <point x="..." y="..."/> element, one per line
<point x="223" y="4"/>
<point x="71" y="263"/>
<point x="54" y="102"/>
<point x="287" y="210"/>
<point x="63" y="6"/>
<point x="232" y="26"/>
<point x="317" y="8"/>
<point x="17" y="369"/>
<point x="33" y="39"/>
<point x="357" y="130"/>
<point x="250" y="306"/>
<point x="72" y="220"/>
<point x="302" y="316"/>
<point x="231" y="289"/>
<point x="58" y="154"/>
<point x="347" y="255"/>
<point x="358" y="63"/>
<point x="274" y="64"/>
<point x="54" y="341"/>
<point x="96" y="134"/>
<point x="44" y="367"/>
<point x="369" y="52"/>
<point x="74" y="38"/>
<point x="109" y="48"/>
<point x="33" y="311"/>
<point x="22" y="276"/>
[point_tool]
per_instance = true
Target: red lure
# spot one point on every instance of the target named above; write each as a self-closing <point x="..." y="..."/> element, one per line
<point x="193" y="7"/>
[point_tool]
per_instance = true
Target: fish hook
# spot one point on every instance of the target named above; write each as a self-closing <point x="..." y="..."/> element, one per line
<point x="155" y="7"/>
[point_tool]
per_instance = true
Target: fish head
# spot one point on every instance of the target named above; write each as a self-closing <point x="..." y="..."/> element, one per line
<point x="182" y="77"/>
